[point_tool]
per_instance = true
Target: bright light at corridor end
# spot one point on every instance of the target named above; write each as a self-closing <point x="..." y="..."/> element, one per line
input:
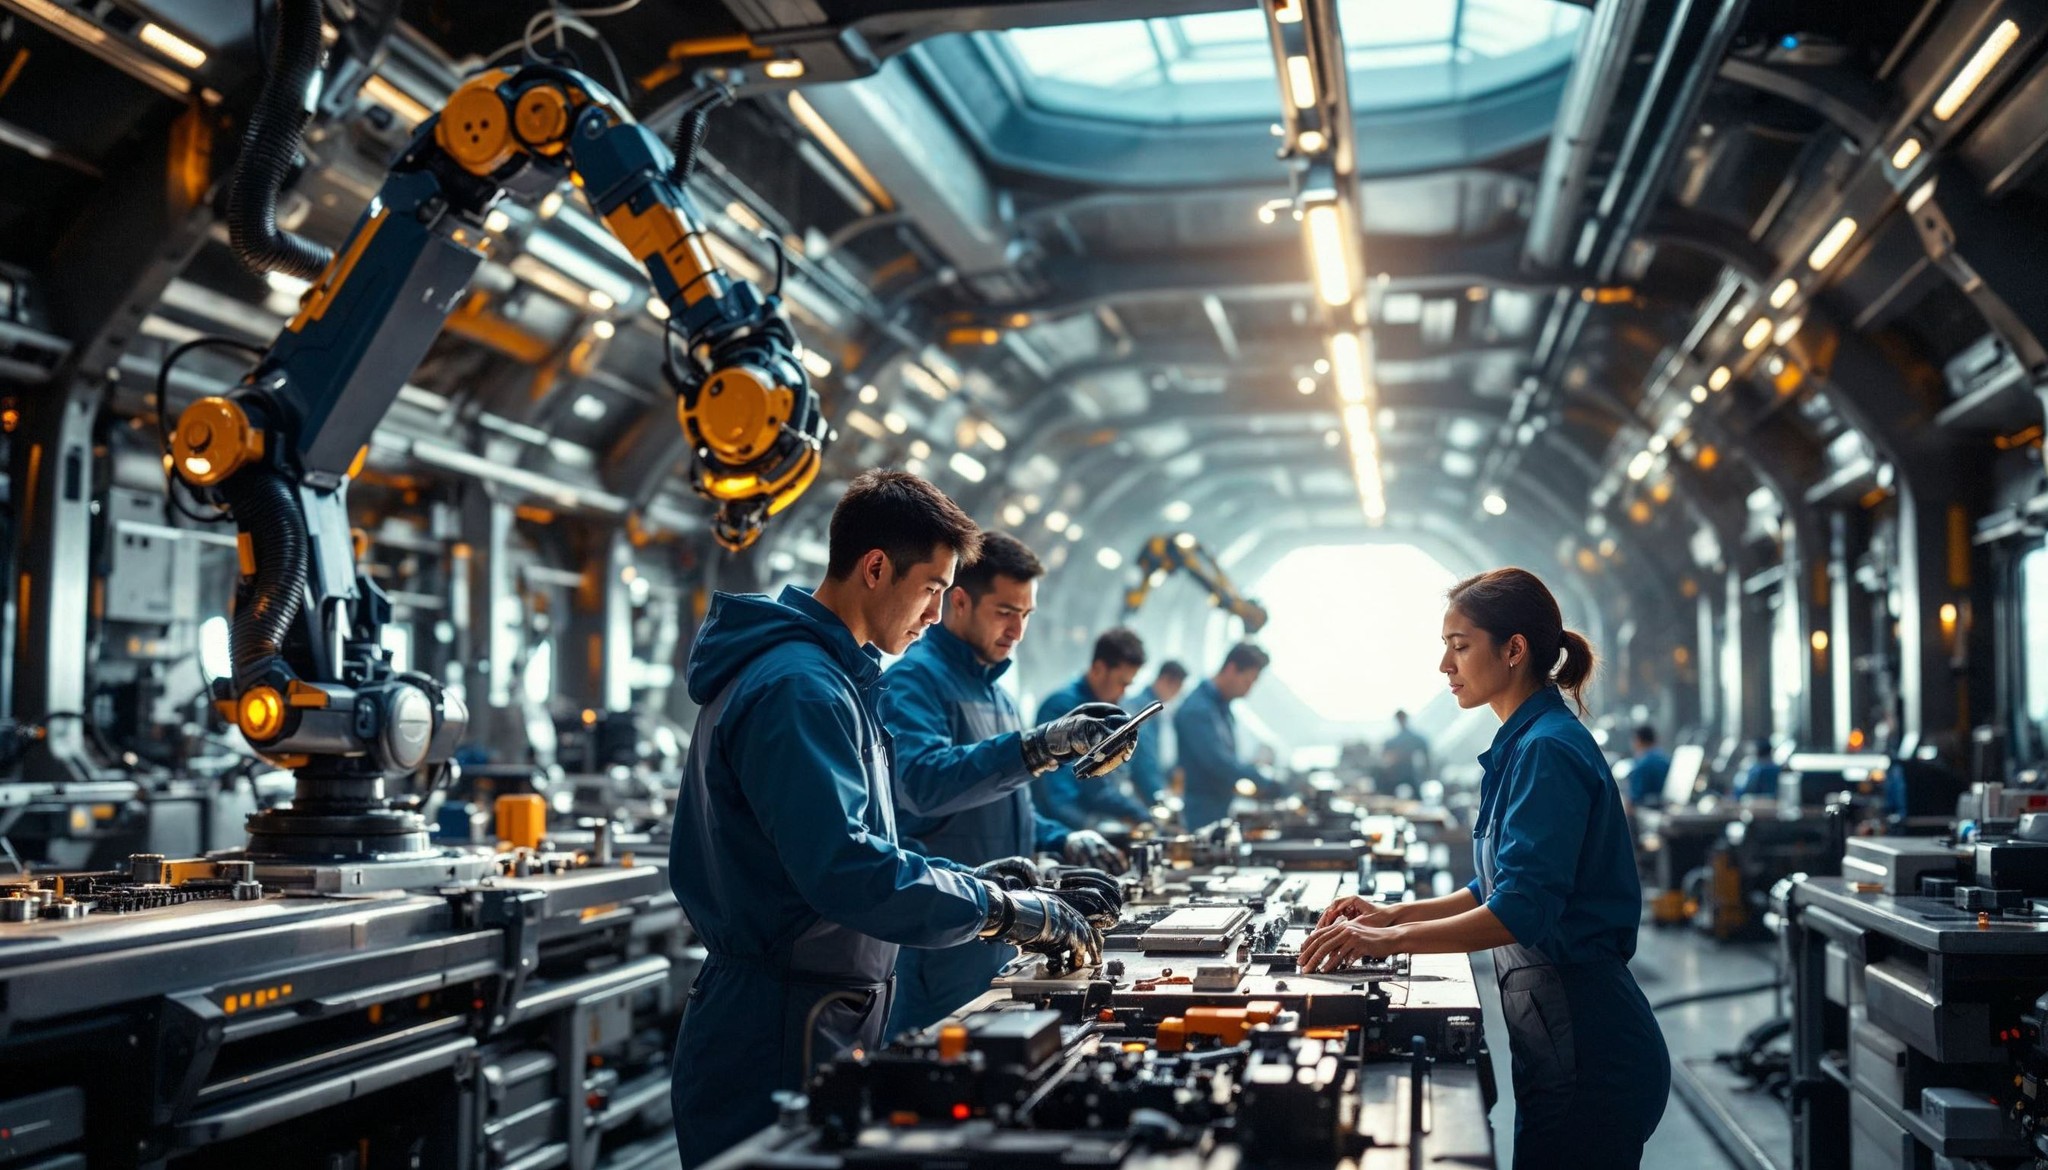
<point x="1494" y="504"/>
<point x="1357" y="662"/>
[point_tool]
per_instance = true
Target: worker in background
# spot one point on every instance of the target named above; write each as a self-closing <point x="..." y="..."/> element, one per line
<point x="1081" y="804"/>
<point x="964" y="761"/>
<point x="1761" y="777"/>
<point x="1207" y="737"/>
<point x="1652" y="765"/>
<point x="1147" y="769"/>
<point x="1404" y="759"/>
<point x="1557" y="899"/>
<point x="784" y="852"/>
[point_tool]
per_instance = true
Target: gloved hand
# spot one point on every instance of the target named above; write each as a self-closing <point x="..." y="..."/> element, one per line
<point x="1090" y="848"/>
<point x="1041" y="921"/>
<point x="1051" y="744"/>
<point x="1011" y="873"/>
<point x="1098" y="896"/>
<point x="1097" y="769"/>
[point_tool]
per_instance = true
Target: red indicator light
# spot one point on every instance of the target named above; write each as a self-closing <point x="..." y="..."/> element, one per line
<point x="961" y="1111"/>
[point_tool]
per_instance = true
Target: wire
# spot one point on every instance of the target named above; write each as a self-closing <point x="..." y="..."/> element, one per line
<point x="163" y="414"/>
<point x="781" y="261"/>
<point x="1717" y="993"/>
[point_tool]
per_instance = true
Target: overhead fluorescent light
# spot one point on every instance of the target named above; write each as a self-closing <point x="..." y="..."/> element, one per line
<point x="1177" y="512"/>
<point x="550" y="203"/>
<point x="1783" y="294"/>
<point x="869" y="393"/>
<point x="817" y="363"/>
<point x="657" y="308"/>
<point x="1787" y="329"/>
<point x="865" y="423"/>
<point x="601" y="301"/>
<point x="919" y="449"/>
<point x="1640" y="466"/>
<point x="1109" y="558"/>
<point x="788" y="69"/>
<point x="1056" y="520"/>
<point x="1013" y="515"/>
<point x="497" y="221"/>
<point x="1718" y="380"/>
<point x="1073" y="532"/>
<point x="175" y="47"/>
<point x="895" y="422"/>
<point x="967" y="467"/>
<point x="1976" y="69"/>
<point x="1699" y="393"/>
<point x="1494" y="504"/>
<point x="991" y="436"/>
<point x="1326" y="249"/>
<point x="1759" y="332"/>
<point x="603" y="329"/>
<point x="1908" y="151"/>
<point x="589" y="407"/>
<point x="1347" y="362"/>
<point x="1301" y="82"/>
<point x="808" y="117"/>
<point x="1831" y="245"/>
<point x="1305" y="384"/>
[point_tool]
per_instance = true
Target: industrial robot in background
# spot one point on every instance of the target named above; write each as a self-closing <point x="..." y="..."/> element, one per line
<point x="312" y="688"/>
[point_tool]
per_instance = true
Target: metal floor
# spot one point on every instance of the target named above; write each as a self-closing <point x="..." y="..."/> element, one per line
<point x="1668" y="964"/>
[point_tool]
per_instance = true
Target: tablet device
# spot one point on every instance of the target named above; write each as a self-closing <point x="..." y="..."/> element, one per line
<point x="1085" y="765"/>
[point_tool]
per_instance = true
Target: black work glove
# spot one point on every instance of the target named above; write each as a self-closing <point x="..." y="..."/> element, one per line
<point x="1041" y="921"/>
<point x="1090" y="848"/>
<point x="1069" y="737"/>
<point x="1011" y="873"/>
<point x="1094" y="894"/>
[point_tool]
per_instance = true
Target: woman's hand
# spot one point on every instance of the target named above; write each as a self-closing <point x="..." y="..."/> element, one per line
<point x="1342" y="943"/>
<point x="1352" y="908"/>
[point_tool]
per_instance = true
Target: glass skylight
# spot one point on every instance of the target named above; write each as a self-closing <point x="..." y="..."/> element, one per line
<point x="1218" y="67"/>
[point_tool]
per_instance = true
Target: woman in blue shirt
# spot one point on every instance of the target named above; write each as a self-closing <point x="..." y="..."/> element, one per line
<point x="1557" y="899"/>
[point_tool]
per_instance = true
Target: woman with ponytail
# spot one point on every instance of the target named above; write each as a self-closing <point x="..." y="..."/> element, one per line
<point x="1556" y="900"/>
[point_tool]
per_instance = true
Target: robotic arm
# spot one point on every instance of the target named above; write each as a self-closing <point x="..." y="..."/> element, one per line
<point x="312" y="688"/>
<point x="1166" y="554"/>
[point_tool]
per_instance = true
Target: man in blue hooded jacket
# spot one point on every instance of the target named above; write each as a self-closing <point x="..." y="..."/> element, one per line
<point x="1064" y="796"/>
<point x="1210" y="767"/>
<point x="964" y="761"/>
<point x="784" y="852"/>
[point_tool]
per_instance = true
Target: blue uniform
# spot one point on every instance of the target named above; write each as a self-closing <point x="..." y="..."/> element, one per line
<point x="1407" y="758"/>
<point x="1646" y="778"/>
<point x="963" y="793"/>
<point x="1209" y="764"/>
<point x="1760" y="780"/>
<point x="784" y="857"/>
<point x="1557" y="868"/>
<point x="1064" y="796"/>
<point x="1147" y="765"/>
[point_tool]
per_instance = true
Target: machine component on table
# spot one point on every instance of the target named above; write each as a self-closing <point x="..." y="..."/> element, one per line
<point x="312" y="687"/>
<point x="1180" y="552"/>
<point x="1074" y="1073"/>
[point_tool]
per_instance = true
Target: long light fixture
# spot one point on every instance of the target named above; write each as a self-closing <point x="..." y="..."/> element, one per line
<point x="1783" y="294"/>
<point x="179" y="49"/>
<point x="1718" y="380"/>
<point x="1326" y="250"/>
<point x="1301" y="82"/>
<point x="967" y="467"/>
<point x="1908" y="151"/>
<point x="1759" y="332"/>
<point x="1347" y="365"/>
<point x="1976" y="69"/>
<point x="1831" y="245"/>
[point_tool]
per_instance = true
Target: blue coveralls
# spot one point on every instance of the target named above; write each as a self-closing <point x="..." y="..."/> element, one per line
<point x="962" y="793"/>
<point x="1147" y="765"/>
<point x="1209" y="764"/>
<point x="784" y="857"/>
<point x="1646" y="778"/>
<point x="1557" y="868"/>
<point x="1064" y="796"/>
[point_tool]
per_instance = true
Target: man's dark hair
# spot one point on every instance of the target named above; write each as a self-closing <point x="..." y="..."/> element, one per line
<point x="1245" y="656"/>
<point x="1172" y="671"/>
<point x="1400" y="716"/>
<point x="1002" y="555"/>
<point x="901" y="514"/>
<point x="1646" y="734"/>
<point x="1119" y="647"/>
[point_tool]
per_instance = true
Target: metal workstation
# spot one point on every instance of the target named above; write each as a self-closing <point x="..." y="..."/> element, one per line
<point x="522" y="517"/>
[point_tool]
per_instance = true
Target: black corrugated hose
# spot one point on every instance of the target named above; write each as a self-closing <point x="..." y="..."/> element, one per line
<point x="265" y="506"/>
<point x="689" y="140"/>
<point x="271" y="145"/>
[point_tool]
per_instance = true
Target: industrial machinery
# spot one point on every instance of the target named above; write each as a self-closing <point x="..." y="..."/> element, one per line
<point x="1195" y="1039"/>
<point x="1181" y="552"/>
<point x="312" y="686"/>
